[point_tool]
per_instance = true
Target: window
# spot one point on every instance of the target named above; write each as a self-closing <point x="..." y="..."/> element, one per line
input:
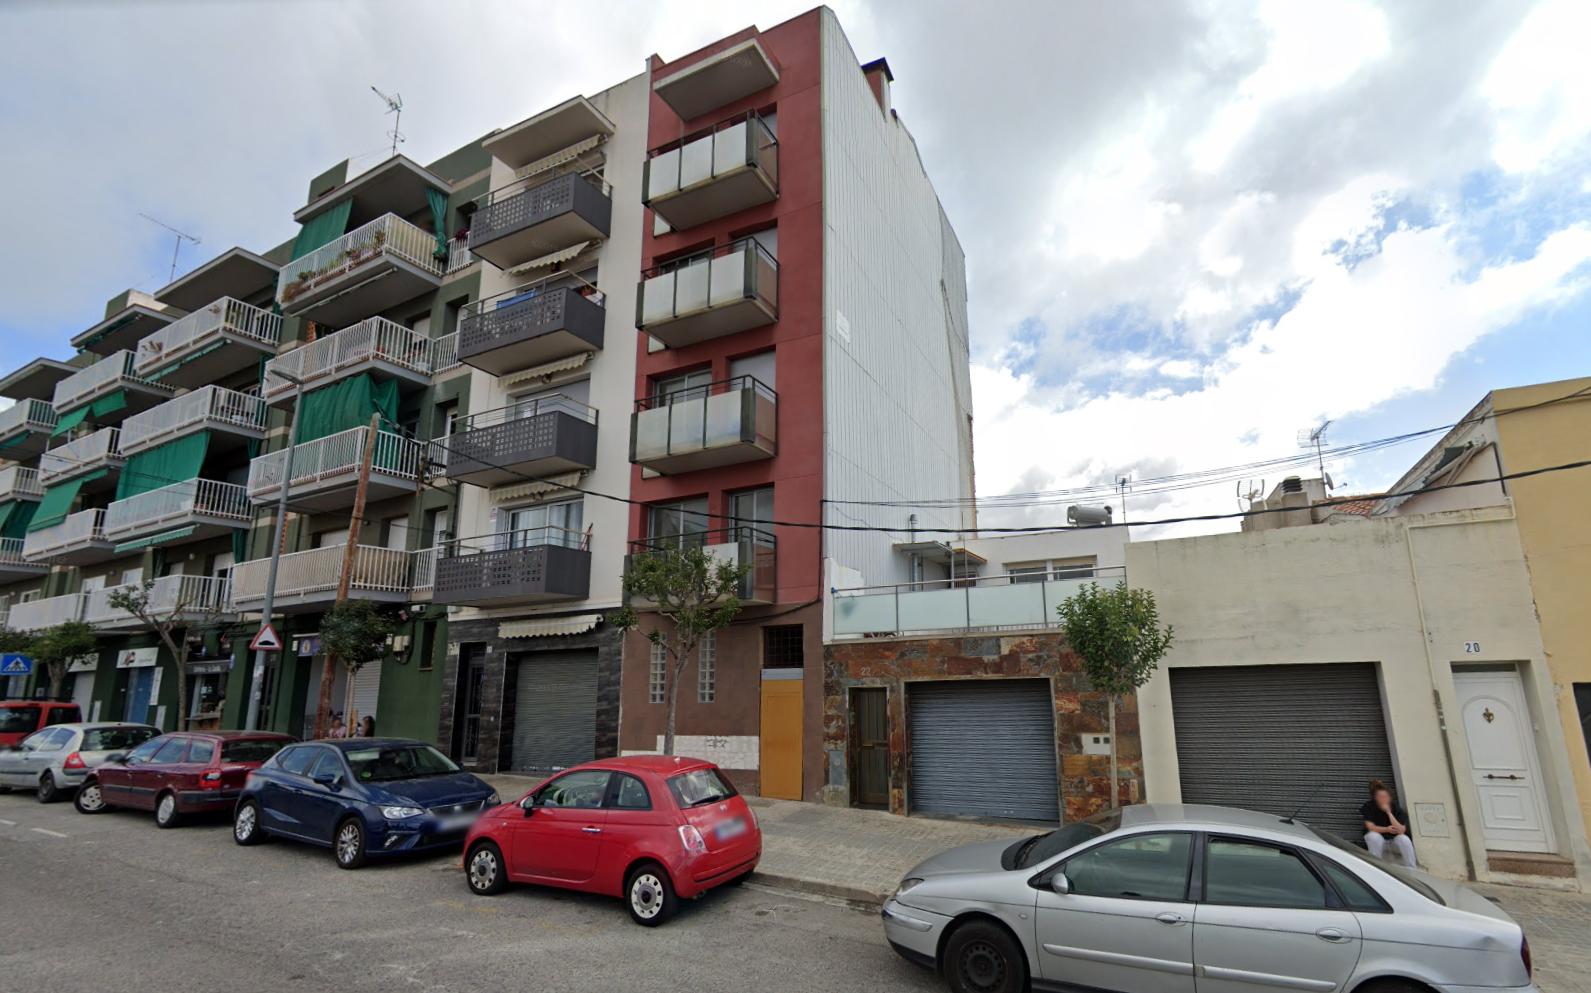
<point x="760" y="367"/>
<point x="700" y="787"/>
<point x="1355" y="894"/>
<point x="63" y="715"/>
<point x="1052" y="569"/>
<point x="202" y="750"/>
<point x="144" y="751"/>
<point x="115" y="739"/>
<point x="296" y="760"/>
<point x="397" y="529"/>
<point x="657" y="680"/>
<point x="221" y="565"/>
<point x="389" y="762"/>
<point x="1582" y="702"/>
<point x="753" y="508"/>
<point x="447" y="419"/>
<point x="582" y="790"/>
<point x="1398" y="872"/>
<point x="684" y="521"/>
<point x="558" y="398"/>
<point x="51" y="740"/>
<point x="326" y="764"/>
<point x="332" y="539"/>
<point x="250" y="749"/>
<point x="1248" y="874"/>
<point x="545" y="524"/>
<point x="1028" y="573"/>
<point x="18" y="720"/>
<point x="679" y="389"/>
<point x="170" y="752"/>
<point x="1140" y="867"/>
<point x="783" y="647"/>
<point x="707" y="667"/>
<point x="628" y="793"/>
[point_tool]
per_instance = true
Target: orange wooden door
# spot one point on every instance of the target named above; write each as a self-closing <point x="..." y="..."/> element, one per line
<point x="781" y="739"/>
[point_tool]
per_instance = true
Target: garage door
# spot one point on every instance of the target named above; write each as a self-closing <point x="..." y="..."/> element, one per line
<point x="1279" y="738"/>
<point x="555" y="710"/>
<point x="983" y="747"/>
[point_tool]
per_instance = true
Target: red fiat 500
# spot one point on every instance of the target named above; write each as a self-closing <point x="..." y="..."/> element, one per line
<point x="650" y="829"/>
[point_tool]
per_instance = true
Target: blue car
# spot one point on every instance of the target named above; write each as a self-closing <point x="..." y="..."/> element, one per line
<point x="361" y="797"/>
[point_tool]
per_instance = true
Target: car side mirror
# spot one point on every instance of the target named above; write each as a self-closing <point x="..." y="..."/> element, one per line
<point x="116" y="757"/>
<point x="1060" y="884"/>
<point x="528" y="805"/>
<point x="328" y="779"/>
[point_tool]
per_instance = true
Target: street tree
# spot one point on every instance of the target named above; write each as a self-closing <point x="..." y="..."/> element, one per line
<point x="55" y="648"/>
<point x="180" y="607"/>
<point x="1116" y="635"/>
<point x="355" y="633"/>
<point x="696" y="592"/>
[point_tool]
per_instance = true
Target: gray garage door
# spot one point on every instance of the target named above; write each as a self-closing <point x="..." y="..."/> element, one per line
<point x="555" y="710"/>
<point x="983" y="747"/>
<point x="1280" y="737"/>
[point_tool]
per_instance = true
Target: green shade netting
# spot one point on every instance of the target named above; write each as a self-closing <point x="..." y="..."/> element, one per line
<point x="322" y="229"/>
<point x="438" y="201"/>
<point x="15" y="518"/>
<point x="156" y="376"/>
<point x="174" y="462"/>
<point x="6" y="513"/>
<point x="346" y="405"/>
<point x="69" y="420"/>
<point x="57" y="502"/>
<point x="109" y="404"/>
<point x="14" y="441"/>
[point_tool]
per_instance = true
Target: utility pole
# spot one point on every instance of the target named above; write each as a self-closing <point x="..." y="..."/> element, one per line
<point x="327" y="673"/>
<point x="261" y="657"/>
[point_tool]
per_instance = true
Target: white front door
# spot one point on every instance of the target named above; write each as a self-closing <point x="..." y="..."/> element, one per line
<point x="1503" y="762"/>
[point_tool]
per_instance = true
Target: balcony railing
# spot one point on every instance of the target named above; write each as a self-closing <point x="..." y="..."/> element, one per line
<point x="179" y="503"/>
<point x="528" y="566"/>
<point x="11" y="560"/>
<point x="36" y="615"/>
<point x="445" y="354"/>
<point x="385" y="238"/>
<point x="100" y="450"/>
<point x="374" y="341"/>
<point x="709" y="294"/>
<point x="81" y="532"/>
<point x="207" y="408"/>
<point x="518" y="223"/>
<point x="161" y="352"/>
<point x="534" y="437"/>
<point x="19" y="482"/>
<point x="1009" y="602"/>
<point x="743" y="545"/>
<point x="312" y="577"/>
<point x="424" y="570"/>
<point x="713" y="172"/>
<point x="548" y="319"/>
<point x="27" y="415"/>
<point x="723" y="423"/>
<point x="190" y="598"/>
<point x="105" y="376"/>
<point x="335" y="459"/>
<point x="459" y="255"/>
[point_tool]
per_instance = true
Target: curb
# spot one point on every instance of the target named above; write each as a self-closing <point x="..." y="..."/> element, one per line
<point x="863" y="899"/>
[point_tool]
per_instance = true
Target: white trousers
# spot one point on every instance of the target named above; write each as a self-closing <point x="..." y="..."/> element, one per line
<point x="1401" y="848"/>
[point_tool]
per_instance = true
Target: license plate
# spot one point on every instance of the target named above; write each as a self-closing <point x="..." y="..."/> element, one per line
<point x="731" y="828"/>
<point x="454" y="822"/>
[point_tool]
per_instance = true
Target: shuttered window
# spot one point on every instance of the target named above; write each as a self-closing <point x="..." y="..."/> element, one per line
<point x="983" y="747"/>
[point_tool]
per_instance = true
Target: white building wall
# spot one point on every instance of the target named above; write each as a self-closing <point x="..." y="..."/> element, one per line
<point x="1107" y="546"/>
<point x="897" y="399"/>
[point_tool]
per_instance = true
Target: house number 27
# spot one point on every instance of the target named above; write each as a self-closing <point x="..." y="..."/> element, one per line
<point x="1472" y="648"/>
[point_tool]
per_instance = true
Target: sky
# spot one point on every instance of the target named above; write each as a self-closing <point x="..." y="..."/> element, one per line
<point x="1192" y="228"/>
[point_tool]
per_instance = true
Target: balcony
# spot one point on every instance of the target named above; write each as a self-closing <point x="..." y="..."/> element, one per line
<point x="543" y="321"/>
<point x="20" y="483"/>
<point x="710" y="294"/>
<point x="190" y="510"/>
<point x="225" y="337"/>
<point x="538" y="437"/>
<point x="538" y="565"/>
<point x="25" y="428"/>
<point x="88" y="455"/>
<point x="111" y="389"/>
<point x="985" y="603"/>
<point x="78" y="540"/>
<point x="326" y="470"/>
<point x="366" y="271"/>
<point x="718" y="80"/>
<point x="232" y="418"/>
<point x="191" y="599"/>
<point x="377" y="346"/>
<point x="13" y="567"/>
<point x="737" y="546"/>
<point x="445" y="354"/>
<point x="36" y="615"/>
<point x="723" y="423"/>
<point x="308" y="580"/>
<point x="713" y="173"/>
<point x="518" y="223"/>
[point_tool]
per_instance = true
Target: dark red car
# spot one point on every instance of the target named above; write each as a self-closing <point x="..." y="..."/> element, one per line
<point x="20" y="718"/>
<point x="647" y="828"/>
<point x="176" y="774"/>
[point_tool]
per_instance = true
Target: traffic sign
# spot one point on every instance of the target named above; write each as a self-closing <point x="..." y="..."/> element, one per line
<point x="16" y="665"/>
<point x="266" y="640"/>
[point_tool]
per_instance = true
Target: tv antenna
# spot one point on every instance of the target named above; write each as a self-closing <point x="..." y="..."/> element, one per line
<point x="1246" y="500"/>
<point x="1123" y="485"/>
<point x="175" y="248"/>
<point x="1315" y="438"/>
<point x="394" y="106"/>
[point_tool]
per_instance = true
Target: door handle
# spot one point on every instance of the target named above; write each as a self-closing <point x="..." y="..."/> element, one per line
<point x="591" y="830"/>
<point x="1331" y="934"/>
<point x="1169" y="919"/>
<point x="1490" y="776"/>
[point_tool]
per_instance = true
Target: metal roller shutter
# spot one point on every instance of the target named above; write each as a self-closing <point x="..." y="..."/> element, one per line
<point x="555" y="710"/>
<point x="984" y="747"/>
<point x="367" y="689"/>
<point x="1279" y="738"/>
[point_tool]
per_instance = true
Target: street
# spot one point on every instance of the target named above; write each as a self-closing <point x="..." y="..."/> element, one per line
<point x="114" y="903"/>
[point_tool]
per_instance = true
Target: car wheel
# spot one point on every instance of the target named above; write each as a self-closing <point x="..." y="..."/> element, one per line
<point x="166" y="813"/>
<point x="246" y="828"/>
<point x="89" y="799"/>
<point x="48" y="793"/>
<point x="984" y="958"/>
<point x="650" y="896"/>
<point x="349" y="844"/>
<point x="485" y="870"/>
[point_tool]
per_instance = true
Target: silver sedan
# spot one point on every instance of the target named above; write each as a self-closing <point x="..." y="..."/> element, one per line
<point x="55" y="761"/>
<point x="1166" y="898"/>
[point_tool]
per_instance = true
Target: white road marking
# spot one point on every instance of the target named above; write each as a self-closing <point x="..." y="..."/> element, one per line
<point x="53" y="834"/>
<point x="8" y="823"/>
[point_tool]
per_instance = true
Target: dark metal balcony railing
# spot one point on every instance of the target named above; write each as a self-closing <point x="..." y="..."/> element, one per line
<point x="527" y="566"/>
<point x="552" y="216"/>
<point x="533" y="437"/>
<point x="548" y="319"/>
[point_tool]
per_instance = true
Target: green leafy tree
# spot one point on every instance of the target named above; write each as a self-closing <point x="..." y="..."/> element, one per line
<point x="696" y="592"/>
<point x="1115" y="634"/>
<point x="54" y="648"/>
<point x="355" y="633"/>
<point x="184" y="605"/>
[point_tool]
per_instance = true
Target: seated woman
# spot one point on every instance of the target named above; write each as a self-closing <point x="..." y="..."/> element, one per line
<point x="1387" y="826"/>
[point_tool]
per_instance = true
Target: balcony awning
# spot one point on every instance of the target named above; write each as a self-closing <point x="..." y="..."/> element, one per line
<point x="346" y="405"/>
<point x="109" y="404"/>
<point x="578" y="624"/>
<point x="562" y="255"/>
<point x="538" y="487"/>
<point x="69" y="420"/>
<point x="164" y="465"/>
<point x="155" y="539"/>
<point x="322" y="229"/>
<point x="57" y="501"/>
<point x="546" y="369"/>
<point x="15" y="518"/>
<point x="16" y="440"/>
<point x="155" y="377"/>
<point x="560" y="157"/>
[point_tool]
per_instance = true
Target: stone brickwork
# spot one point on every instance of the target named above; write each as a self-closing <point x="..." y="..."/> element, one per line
<point x="894" y="663"/>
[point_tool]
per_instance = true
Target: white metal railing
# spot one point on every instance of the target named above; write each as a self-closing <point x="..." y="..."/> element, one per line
<point x="388" y="234"/>
<point x="92" y="451"/>
<point x="459" y="255"/>
<point x="445" y="354"/>
<point x="19" y="481"/>
<point x="424" y="569"/>
<point x="46" y="613"/>
<point x="373" y="339"/>
<point x="1021" y="600"/>
<point x="82" y="528"/>
<point x="201" y="408"/>
<point x="176" y="503"/>
<point x="184" y="596"/>
<point x="81" y="387"/>
<point x="340" y="455"/>
<point x="181" y="338"/>
<point x="11" y="553"/>
<point x="319" y="571"/>
<point x="24" y="413"/>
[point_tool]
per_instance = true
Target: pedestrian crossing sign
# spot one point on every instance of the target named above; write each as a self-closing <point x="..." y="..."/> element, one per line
<point x="16" y="665"/>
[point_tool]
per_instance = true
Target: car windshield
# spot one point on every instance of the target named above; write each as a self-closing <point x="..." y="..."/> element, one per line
<point x="1397" y="872"/>
<point x="1043" y="847"/>
<point x="700" y="786"/>
<point x="115" y="739"/>
<point x="389" y="762"/>
<point x="251" y="749"/>
<point x="15" y="720"/>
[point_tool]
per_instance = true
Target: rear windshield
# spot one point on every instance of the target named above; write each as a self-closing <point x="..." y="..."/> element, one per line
<point x="1043" y="847"/>
<point x="1398" y="872"/>
<point x="700" y="786"/>
<point x="115" y="739"/>
<point x="15" y="720"/>
<point x="251" y="749"/>
<point x="389" y="762"/>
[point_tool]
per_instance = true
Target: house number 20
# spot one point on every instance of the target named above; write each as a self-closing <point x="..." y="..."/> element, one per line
<point x="1472" y="648"/>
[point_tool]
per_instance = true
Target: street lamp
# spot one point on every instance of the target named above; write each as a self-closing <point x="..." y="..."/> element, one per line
<point x="260" y="655"/>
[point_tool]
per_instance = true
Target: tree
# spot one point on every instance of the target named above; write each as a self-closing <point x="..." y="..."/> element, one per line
<point x="167" y="614"/>
<point x="55" y="648"/>
<point x="695" y="591"/>
<point x="1116" y="636"/>
<point x="355" y="633"/>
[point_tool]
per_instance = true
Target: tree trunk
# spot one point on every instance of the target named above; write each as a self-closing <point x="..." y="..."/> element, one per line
<point x="673" y="699"/>
<point x="58" y="679"/>
<point x="345" y="581"/>
<point x="1115" y="800"/>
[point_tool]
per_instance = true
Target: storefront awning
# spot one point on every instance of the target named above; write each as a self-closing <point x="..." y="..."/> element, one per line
<point x="578" y="624"/>
<point x="155" y="539"/>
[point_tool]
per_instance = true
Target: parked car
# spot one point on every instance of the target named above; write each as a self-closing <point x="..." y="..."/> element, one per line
<point x="1165" y="897"/>
<point x="362" y="797"/>
<point x="175" y="775"/>
<point x="20" y="718"/>
<point x="57" y="760"/>
<point x="648" y="829"/>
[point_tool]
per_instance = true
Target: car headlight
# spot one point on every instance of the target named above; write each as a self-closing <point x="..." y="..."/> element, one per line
<point x="906" y="884"/>
<point x="494" y="801"/>
<point x="399" y="813"/>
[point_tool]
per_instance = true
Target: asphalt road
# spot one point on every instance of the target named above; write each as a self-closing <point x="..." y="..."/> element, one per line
<point x="112" y="903"/>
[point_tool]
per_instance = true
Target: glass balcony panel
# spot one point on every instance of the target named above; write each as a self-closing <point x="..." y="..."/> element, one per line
<point x="865" y="614"/>
<point x="926" y="610"/>
<point x="1016" y="604"/>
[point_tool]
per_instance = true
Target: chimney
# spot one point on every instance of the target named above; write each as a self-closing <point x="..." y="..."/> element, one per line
<point x="879" y="77"/>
